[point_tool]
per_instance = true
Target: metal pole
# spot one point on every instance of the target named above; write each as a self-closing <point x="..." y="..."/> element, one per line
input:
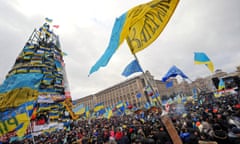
<point x="198" y="93"/>
<point x="30" y="125"/>
<point x="31" y="36"/>
<point x="164" y="118"/>
<point x="148" y="82"/>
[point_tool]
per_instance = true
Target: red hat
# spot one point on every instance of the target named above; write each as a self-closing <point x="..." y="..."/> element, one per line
<point x="198" y="123"/>
<point x="237" y="106"/>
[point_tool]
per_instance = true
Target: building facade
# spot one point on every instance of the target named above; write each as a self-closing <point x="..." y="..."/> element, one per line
<point x="127" y="90"/>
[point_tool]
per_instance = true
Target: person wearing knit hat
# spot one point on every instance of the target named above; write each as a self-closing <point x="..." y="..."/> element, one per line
<point x="219" y="135"/>
<point x="198" y="123"/>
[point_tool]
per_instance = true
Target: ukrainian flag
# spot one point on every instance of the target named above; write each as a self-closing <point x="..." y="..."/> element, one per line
<point x="98" y="107"/>
<point x="140" y="26"/>
<point x="221" y="84"/>
<point x="108" y="113"/>
<point x="48" y="20"/>
<point x="17" y="119"/>
<point x="79" y="110"/>
<point x="202" y="58"/>
<point x="87" y="112"/>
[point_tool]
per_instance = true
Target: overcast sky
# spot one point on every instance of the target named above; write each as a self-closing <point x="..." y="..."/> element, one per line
<point x="210" y="26"/>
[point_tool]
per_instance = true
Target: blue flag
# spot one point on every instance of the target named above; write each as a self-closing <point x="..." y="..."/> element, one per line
<point x="194" y="91"/>
<point x="132" y="68"/>
<point x="113" y="44"/>
<point x="173" y="72"/>
<point x="169" y="84"/>
<point x="120" y="106"/>
<point x="139" y="95"/>
<point x="147" y="105"/>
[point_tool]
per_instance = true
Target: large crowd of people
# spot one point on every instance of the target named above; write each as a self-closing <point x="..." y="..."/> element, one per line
<point x="217" y="121"/>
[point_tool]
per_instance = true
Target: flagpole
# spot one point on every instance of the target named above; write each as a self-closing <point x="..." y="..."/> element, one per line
<point x="164" y="117"/>
<point x="148" y="82"/>
<point x="30" y="123"/>
<point x="198" y="94"/>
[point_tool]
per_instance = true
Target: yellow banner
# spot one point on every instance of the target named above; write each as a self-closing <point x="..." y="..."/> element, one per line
<point x="145" y="22"/>
<point x="17" y="120"/>
<point x="12" y="123"/>
<point x="16" y="97"/>
<point x="68" y="105"/>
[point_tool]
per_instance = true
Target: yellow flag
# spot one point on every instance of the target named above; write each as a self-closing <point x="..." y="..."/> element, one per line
<point x="17" y="119"/>
<point x="140" y="26"/>
<point x="109" y="114"/>
<point x="16" y="97"/>
<point x="145" y="22"/>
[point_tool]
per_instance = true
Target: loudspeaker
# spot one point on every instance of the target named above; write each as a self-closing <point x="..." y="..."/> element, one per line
<point x="237" y="80"/>
<point x="231" y="82"/>
<point x="215" y="82"/>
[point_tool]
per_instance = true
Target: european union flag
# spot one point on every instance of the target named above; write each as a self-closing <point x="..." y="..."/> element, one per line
<point x="173" y="72"/>
<point x="169" y="84"/>
<point x="139" y="95"/>
<point x="132" y="68"/>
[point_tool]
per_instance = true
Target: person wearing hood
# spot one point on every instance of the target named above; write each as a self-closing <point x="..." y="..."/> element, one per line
<point x="219" y="135"/>
<point x="234" y="135"/>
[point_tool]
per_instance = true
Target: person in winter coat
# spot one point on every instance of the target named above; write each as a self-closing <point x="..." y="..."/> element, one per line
<point x="219" y="135"/>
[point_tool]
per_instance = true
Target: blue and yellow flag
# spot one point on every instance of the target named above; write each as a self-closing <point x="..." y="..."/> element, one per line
<point x="108" y="114"/>
<point x="131" y="68"/>
<point x="202" y="58"/>
<point x="17" y="119"/>
<point x="120" y="106"/>
<point x="79" y="110"/>
<point x="18" y="89"/>
<point x="87" y="112"/>
<point x="156" y="97"/>
<point x="64" y="54"/>
<point x="147" y="105"/>
<point x="48" y="20"/>
<point x="221" y="84"/>
<point x="98" y="107"/>
<point x="140" y="26"/>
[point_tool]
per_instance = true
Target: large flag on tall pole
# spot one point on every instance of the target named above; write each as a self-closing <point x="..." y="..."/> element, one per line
<point x="140" y="25"/>
<point x="173" y="72"/>
<point x="131" y="68"/>
<point x="202" y="58"/>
